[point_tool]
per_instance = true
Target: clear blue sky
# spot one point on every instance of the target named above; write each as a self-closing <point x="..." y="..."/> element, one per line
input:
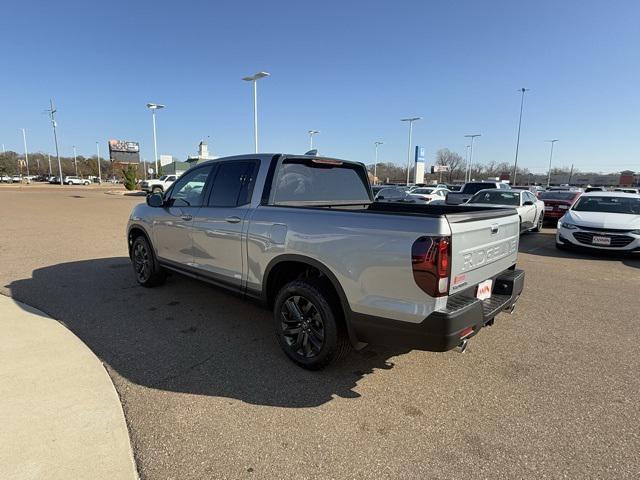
<point x="351" y="69"/>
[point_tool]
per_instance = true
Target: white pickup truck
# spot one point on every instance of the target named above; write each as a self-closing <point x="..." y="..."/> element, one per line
<point x="158" y="185"/>
<point x="303" y="234"/>
<point x="469" y="189"/>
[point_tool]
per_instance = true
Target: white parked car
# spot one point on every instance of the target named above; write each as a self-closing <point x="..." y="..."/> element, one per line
<point x="73" y="180"/>
<point x="530" y="209"/>
<point x="16" y="179"/>
<point x="428" y="194"/>
<point x="602" y="221"/>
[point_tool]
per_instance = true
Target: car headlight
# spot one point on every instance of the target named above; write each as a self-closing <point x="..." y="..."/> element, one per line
<point x="635" y="232"/>
<point x="568" y="226"/>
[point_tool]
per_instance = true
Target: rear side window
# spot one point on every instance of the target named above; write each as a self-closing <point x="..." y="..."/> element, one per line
<point x="232" y="185"/>
<point x="320" y="182"/>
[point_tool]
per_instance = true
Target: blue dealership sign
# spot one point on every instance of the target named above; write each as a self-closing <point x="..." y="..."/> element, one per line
<point x="419" y="154"/>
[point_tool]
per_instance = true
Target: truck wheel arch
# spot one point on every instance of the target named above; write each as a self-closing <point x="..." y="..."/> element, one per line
<point x="136" y="231"/>
<point x="290" y="266"/>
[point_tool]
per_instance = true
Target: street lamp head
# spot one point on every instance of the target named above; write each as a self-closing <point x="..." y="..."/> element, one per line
<point x="313" y="132"/>
<point x="473" y="136"/>
<point x="523" y="89"/>
<point x="257" y="76"/>
<point x="412" y="119"/>
<point x="154" y="106"/>
<point x="552" y="141"/>
<point x="378" y="143"/>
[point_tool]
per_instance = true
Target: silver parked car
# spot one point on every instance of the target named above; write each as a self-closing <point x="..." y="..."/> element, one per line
<point x="303" y="235"/>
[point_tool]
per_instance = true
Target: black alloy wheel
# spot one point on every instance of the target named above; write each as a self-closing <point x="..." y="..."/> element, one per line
<point x="302" y="326"/>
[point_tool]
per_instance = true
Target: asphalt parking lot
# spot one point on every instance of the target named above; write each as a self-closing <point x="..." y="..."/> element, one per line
<point x="548" y="392"/>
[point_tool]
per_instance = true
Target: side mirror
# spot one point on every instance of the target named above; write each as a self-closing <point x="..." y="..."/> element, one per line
<point x="527" y="203"/>
<point x="155" y="200"/>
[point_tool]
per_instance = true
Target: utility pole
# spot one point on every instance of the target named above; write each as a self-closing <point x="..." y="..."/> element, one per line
<point x="75" y="160"/>
<point x="515" y="166"/>
<point x="52" y="113"/>
<point x="570" y="174"/>
<point x="254" y="79"/>
<point x="410" y="120"/>
<point x="470" y="164"/>
<point x="49" y="159"/>
<point x="26" y="153"/>
<point x="375" y="166"/>
<point x="550" y="158"/>
<point x="99" y="171"/>
<point x="311" y="134"/>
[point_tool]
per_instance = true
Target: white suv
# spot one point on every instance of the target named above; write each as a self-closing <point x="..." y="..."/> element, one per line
<point x="73" y="180"/>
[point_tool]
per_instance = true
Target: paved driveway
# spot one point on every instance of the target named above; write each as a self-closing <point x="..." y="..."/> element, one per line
<point x="550" y="391"/>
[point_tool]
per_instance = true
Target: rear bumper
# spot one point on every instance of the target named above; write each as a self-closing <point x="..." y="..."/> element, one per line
<point x="442" y="330"/>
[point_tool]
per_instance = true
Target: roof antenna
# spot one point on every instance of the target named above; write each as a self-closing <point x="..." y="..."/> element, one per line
<point x="313" y="153"/>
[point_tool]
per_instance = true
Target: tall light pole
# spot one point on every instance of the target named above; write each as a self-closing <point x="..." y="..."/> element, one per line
<point x="470" y="162"/>
<point x="466" y="162"/>
<point x="311" y="134"/>
<point x="410" y="120"/>
<point x="26" y="153"/>
<point x="375" y="165"/>
<point x="49" y="160"/>
<point x="515" y="166"/>
<point x="254" y="79"/>
<point x="52" y="114"/>
<point x="99" y="169"/>
<point x="550" y="158"/>
<point x="153" y="107"/>
<point x="75" y="160"/>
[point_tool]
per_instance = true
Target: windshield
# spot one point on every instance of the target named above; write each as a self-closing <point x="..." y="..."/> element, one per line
<point x="163" y="178"/>
<point x="498" y="198"/>
<point x="557" y="196"/>
<point x="626" y="205"/>
<point x="424" y="191"/>
<point x="314" y="182"/>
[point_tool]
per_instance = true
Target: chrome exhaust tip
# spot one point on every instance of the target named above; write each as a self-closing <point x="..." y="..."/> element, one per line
<point x="463" y="346"/>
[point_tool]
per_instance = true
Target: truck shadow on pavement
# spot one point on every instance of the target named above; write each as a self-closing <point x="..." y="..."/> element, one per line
<point x="543" y="244"/>
<point x="186" y="336"/>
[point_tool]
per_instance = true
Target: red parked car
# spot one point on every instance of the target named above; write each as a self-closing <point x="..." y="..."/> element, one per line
<point x="557" y="202"/>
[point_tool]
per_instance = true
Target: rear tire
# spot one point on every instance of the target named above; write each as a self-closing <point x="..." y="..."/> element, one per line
<point x="538" y="226"/>
<point x="309" y="326"/>
<point x="145" y="265"/>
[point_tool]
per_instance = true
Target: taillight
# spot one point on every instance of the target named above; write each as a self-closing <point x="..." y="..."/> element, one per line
<point x="431" y="263"/>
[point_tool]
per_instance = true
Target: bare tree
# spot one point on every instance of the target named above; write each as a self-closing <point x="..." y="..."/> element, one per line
<point x="453" y="160"/>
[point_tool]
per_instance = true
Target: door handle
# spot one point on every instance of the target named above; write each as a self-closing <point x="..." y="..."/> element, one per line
<point x="233" y="219"/>
<point x="186" y="217"/>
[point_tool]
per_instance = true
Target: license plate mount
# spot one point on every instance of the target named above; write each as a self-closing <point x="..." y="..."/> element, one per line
<point x="599" y="240"/>
<point x="484" y="289"/>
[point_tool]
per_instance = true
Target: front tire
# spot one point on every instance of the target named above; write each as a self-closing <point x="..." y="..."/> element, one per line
<point x="308" y="325"/>
<point x="156" y="190"/>
<point x="145" y="265"/>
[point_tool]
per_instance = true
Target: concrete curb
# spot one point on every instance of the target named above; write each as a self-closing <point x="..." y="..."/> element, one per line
<point x="61" y="416"/>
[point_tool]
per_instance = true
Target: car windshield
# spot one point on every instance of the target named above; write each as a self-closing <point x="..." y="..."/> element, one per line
<point x="476" y="187"/>
<point x="557" y="195"/>
<point x="498" y="198"/>
<point x="424" y="191"/>
<point x="163" y="178"/>
<point x="625" y="205"/>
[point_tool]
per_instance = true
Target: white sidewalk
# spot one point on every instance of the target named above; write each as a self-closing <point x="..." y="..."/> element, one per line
<point x="60" y="416"/>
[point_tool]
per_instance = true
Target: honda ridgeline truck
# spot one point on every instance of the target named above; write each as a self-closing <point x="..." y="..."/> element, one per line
<point x="303" y="235"/>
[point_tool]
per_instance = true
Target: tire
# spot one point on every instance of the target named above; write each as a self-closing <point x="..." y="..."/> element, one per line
<point x="308" y="324"/>
<point x="538" y="226"/>
<point x="559" y="246"/>
<point x="156" y="190"/>
<point x="145" y="265"/>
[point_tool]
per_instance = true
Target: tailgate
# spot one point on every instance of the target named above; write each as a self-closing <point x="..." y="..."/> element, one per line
<point x="483" y="244"/>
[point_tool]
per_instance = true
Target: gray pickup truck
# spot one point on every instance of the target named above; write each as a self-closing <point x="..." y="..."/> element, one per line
<point x="303" y="235"/>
